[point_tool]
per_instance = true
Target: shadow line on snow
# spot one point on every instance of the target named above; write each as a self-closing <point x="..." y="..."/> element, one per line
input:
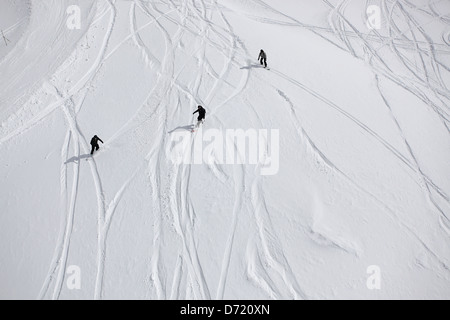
<point x="188" y="127"/>
<point x="252" y="66"/>
<point x="75" y="159"/>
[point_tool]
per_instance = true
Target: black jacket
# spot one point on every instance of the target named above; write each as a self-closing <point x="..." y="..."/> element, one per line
<point x="262" y="55"/>
<point x="95" y="141"/>
<point x="201" y="113"/>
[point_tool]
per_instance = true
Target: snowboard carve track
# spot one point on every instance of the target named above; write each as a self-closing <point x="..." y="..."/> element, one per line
<point x="182" y="218"/>
<point x="425" y="180"/>
<point x="272" y="247"/>
<point x="404" y="84"/>
<point x="258" y="272"/>
<point x="81" y="84"/>
<point x="185" y="209"/>
<point x="60" y="259"/>
<point x="149" y="58"/>
<point x="238" y="206"/>
<point x="176" y="284"/>
<point x="64" y="205"/>
<point x="70" y="116"/>
<point x="162" y="88"/>
<point x="71" y="212"/>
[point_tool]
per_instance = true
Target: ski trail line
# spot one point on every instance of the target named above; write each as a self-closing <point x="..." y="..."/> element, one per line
<point x="71" y="212"/>
<point x="64" y="205"/>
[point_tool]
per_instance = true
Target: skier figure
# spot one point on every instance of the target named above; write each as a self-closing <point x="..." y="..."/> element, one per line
<point x="94" y="144"/>
<point x="263" y="58"/>
<point x="201" y="115"/>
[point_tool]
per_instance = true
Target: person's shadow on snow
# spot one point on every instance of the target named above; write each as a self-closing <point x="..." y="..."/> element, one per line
<point x="252" y="66"/>
<point x="75" y="159"/>
<point x="189" y="127"/>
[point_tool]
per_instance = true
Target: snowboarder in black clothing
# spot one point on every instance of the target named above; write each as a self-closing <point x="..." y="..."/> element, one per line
<point x="94" y="144"/>
<point x="263" y="58"/>
<point x="201" y="115"/>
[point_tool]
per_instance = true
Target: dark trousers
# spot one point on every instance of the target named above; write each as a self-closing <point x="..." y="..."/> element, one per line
<point x="94" y="148"/>
<point x="200" y="121"/>
<point x="264" y="62"/>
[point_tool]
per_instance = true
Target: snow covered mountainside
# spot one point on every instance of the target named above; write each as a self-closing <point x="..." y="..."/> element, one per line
<point x="356" y="104"/>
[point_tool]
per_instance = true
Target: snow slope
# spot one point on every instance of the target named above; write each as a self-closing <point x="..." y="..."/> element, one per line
<point x="15" y="17"/>
<point x="363" y="117"/>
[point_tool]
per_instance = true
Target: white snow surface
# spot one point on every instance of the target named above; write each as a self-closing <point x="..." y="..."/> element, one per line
<point x="363" y="117"/>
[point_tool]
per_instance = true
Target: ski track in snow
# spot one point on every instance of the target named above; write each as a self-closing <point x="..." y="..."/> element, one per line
<point x="342" y="33"/>
<point x="170" y="187"/>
